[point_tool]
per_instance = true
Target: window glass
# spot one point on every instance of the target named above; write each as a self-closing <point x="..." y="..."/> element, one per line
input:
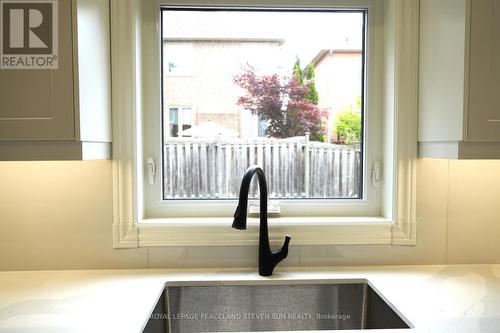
<point x="286" y="94"/>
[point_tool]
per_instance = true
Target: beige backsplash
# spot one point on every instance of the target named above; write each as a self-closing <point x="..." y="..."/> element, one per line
<point x="57" y="215"/>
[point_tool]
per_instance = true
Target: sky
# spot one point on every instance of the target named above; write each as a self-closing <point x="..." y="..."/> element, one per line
<point x="304" y="33"/>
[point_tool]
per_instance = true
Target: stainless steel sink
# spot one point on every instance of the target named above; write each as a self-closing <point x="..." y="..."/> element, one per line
<point x="186" y="307"/>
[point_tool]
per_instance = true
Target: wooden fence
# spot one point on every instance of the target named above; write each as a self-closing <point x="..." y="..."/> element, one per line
<point x="294" y="168"/>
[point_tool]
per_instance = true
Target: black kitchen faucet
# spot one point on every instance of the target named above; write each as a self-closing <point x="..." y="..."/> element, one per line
<point x="267" y="259"/>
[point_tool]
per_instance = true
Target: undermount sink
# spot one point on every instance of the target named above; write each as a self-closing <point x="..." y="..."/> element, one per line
<point x="237" y="306"/>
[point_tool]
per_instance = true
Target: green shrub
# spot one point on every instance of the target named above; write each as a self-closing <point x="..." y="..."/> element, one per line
<point x="348" y="123"/>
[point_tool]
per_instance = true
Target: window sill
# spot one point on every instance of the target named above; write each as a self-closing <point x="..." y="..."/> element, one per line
<point x="303" y="230"/>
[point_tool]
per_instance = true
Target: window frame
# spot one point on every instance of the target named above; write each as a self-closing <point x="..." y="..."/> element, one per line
<point x="133" y="227"/>
<point x="370" y="205"/>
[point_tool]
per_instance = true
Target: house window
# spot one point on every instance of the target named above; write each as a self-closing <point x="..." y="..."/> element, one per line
<point x="180" y="121"/>
<point x="287" y="94"/>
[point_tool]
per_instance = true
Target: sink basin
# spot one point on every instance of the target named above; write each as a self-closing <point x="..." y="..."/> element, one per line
<point x="237" y="306"/>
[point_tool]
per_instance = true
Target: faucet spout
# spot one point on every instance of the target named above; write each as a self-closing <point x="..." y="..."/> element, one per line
<point x="267" y="259"/>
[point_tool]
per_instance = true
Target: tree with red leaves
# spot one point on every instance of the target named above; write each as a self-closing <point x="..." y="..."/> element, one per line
<point x="283" y="103"/>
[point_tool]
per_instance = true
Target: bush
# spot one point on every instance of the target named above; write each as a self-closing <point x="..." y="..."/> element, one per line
<point x="348" y="126"/>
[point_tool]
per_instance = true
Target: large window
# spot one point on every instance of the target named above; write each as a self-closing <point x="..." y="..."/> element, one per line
<point x="154" y="208"/>
<point x="283" y="89"/>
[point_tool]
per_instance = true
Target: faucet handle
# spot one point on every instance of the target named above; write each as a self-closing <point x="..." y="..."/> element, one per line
<point x="287" y="240"/>
<point x="284" y="248"/>
<point x="268" y="262"/>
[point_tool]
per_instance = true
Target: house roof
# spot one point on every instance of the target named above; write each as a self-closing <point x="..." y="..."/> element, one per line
<point x="321" y="54"/>
<point x="225" y="40"/>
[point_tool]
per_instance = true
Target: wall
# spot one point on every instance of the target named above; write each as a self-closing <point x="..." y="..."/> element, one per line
<point x="338" y="82"/>
<point x="338" y="79"/>
<point x="204" y="77"/>
<point x="57" y="215"/>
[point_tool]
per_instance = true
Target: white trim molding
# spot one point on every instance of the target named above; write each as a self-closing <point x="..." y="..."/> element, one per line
<point x="397" y="226"/>
<point x="125" y="123"/>
<point x="406" y="29"/>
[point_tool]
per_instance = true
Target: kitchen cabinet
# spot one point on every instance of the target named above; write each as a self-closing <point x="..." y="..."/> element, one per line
<point x="459" y="79"/>
<point x="63" y="113"/>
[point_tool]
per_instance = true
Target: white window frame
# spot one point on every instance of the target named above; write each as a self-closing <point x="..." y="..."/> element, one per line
<point x="370" y="205"/>
<point x="135" y="226"/>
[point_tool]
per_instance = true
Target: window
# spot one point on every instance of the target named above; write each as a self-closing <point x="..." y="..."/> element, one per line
<point x="180" y="121"/>
<point x="148" y="214"/>
<point x="312" y="124"/>
<point x="288" y="97"/>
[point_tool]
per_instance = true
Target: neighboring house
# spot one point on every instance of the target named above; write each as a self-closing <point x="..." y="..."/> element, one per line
<point x="198" y="81"/>
<point x="338" y="80"/>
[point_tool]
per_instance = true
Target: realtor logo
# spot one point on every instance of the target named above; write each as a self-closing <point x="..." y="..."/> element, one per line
<point x="28" y="34"/>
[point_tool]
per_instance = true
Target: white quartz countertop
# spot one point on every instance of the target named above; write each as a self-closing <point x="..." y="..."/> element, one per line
<point x="433" y="298"/>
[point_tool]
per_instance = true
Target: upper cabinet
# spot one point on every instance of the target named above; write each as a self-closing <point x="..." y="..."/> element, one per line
<point x="63" y="113"/>
<point x="459" y="82"/>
